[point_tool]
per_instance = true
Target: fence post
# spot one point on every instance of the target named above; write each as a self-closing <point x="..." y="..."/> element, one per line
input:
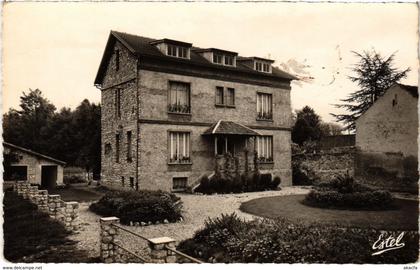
<point x="109" y="250"/>
<point x="54" y="203"/>
<point x="159" y="254"/>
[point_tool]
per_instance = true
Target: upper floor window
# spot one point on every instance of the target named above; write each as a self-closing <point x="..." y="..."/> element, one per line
<point x="228" y="60"/>
<point x="225" y="96"/>
<point x="179" y="97"/>
<point x="264" y="106"/>
<point x="177" y="51"/>
<point x="263" y="67"/>
<point x="179" y="147"/>
<point x="117" y="60"/>
<point x="217" y="58"/>
<point x="118" y="102"/>
<point x="117" y="148"/>
<point x="264" y="145"/>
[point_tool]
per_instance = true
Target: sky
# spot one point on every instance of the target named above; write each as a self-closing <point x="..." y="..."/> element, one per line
<point x="57" y="47"/>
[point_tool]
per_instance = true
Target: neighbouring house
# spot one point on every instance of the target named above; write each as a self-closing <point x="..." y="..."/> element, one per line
<point x="170" y="111"/>
<point x="23" y="164"/>
<point x="387" y="140"/>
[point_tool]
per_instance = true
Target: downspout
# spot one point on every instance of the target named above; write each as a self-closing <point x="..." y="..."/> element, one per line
<point x="137" y="125"/>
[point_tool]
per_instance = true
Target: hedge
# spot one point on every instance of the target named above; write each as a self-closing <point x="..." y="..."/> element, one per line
<point x="228" y="239"/>
<point x="139" y="206"/>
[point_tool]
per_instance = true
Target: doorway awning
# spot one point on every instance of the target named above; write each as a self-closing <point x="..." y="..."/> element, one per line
<point x="229" y="128"/>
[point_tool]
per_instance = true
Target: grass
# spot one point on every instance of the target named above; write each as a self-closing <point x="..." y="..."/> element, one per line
<point x="78" y="194"/>
<point x="32" y="236"/>
<point x="405" y="217"/>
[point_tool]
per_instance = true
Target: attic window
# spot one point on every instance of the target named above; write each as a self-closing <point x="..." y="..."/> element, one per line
<point x="177" y="51"/>
<point x="223" y="59"/>
<point x="262" y="66"/>
<point x="217" y="58"/>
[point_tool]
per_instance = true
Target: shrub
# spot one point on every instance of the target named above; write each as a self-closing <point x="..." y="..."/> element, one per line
<point x="237" y="184"/>
<point x="74" y="179"/>
<point x="232" y="240"/>
<point x="344" y="193"/>
<point x="139" y="206"/>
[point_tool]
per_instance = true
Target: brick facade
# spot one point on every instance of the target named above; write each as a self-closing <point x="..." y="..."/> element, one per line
<point x="144" y="99"/>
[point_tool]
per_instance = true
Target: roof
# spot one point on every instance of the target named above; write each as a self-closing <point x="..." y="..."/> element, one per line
<point x="143" y="46"/>
<point x="30" y="152"/>
<point x="230" y="128"/>
<point x="215" y="50"/>
<point x="413" y="90"/>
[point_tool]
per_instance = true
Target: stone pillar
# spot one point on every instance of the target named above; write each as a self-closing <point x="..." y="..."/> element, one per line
<point x="109" y="251"/>
<point x="70" y="215"/>
<point x="32" y="193"/>
<point x="42" y="200"/>
<point x="159" y="254"/>
<point x="54" y="205"/>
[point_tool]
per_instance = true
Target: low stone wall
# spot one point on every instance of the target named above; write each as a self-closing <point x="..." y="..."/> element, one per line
<point x="64" y="212"/>
<point x="112" y="250"/>
<point x="323" y="165"/>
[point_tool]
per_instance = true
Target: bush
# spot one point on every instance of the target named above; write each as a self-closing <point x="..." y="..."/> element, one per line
<point x="229" y="239"/>
<point x="74" y="179"/>
<point x="344" y="193"/>
<point x="139" y="206"/>
<point x="237" y="184"/>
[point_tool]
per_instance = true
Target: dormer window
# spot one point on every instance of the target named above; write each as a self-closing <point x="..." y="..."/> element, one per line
<point x="229" y="60"/>
<point x="262" y="67"/>
<point x="217" y="58"/>
<point x="177" y="51"/>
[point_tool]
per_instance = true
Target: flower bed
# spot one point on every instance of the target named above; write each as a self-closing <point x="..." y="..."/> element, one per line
<point x="139" y="206"/>
<point x="345" y="193"/>
<point x="228" y="239"/>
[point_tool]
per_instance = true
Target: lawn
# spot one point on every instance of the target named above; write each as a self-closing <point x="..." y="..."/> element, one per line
<point x="78" y="194"/>
<point x="32" y="236"/>
<point x="290" y="207"/>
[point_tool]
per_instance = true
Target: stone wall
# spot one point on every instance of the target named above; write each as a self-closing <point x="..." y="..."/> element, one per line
<point x="64" y="212"/>
<point x="324" y="165"/>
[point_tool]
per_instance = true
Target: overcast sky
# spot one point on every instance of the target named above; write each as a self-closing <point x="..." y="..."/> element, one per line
<point x="57" y="47"/>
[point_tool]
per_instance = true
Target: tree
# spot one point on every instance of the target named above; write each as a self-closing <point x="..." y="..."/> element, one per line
<point x="330" y="129"/>
<point x="307" y="126"/>
<point x="374" y="74"/>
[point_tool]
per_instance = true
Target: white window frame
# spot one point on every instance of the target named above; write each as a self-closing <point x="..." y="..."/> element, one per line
<point x="264" y="106"/>
<point x="264" y="148"/>
<point x="179" y="146"/>
<point x="177" y="51"/>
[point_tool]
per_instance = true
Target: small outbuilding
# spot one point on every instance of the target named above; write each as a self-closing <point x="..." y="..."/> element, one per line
<point x="22" y="164"/>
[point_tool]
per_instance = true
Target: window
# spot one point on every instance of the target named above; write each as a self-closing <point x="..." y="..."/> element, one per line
<point x="179" y="147"/>
<point x="108" y="149"/>
<point x="264" y="106"/>
<point x="264" y="145"/>
<point x="217" y="58"/>
<point x="258" y="66"/>
<point x="179" y="97"/>
<point x="117" y="148"/>
<point x="219" y="95"/>
<point x="225" y="96"/>
<point x="177" y="51"/>
<point x="224" y="145"/>
<point x="230" y="100"/>
<point x="266" y="67"/>
<point x="179" y="183"/>
<point x="129" y="156"/>
<point x="261" y="66"/>
<point x="122" y="181"/>
<point x="118" y="102"/>
<point x="15" y="173"/>
<point x="117" y="60"/>
<point x="132" y="182"/>
<point x="228" y="60"/>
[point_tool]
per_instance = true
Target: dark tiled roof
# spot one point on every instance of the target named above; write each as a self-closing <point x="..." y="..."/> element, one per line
<point x="413" y="90"/>
<point x="30" y="152"/>
<point x="141" y="46"/>
<point x="229" y="128"/>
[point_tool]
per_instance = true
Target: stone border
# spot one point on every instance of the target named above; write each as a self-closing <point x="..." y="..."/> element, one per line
<point x="64" y="212"/>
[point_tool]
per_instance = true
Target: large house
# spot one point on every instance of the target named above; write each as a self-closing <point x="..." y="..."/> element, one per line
<point x="387" y="140"/>
<point x="171" y="111"/>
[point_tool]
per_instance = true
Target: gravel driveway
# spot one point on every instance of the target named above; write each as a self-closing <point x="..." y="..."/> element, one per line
<point x="197" y="208"/>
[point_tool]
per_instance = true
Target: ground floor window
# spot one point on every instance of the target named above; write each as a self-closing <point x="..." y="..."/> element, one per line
<point x="224" y="145"/>
<point x="16" y="173"/>
<point x="264" y="145"/>
<point x="179" y="147"/>
<point x="179" y="183"/>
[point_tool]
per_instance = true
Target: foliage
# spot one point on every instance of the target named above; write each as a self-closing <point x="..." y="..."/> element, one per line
<point x="139" y="206"/>
<point x="300" y="175"/>
<point x="374" y="74"/>
<point x="237" y="184"/>
<point x="31" y="236"/>
<point x="69" y="135"/>
<point x="74" y="179"/>
<point x="344" y="192"/>
<point x="330" y="129"/>
<point x="307" y="126"/>
<point x="228" y="239"/>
